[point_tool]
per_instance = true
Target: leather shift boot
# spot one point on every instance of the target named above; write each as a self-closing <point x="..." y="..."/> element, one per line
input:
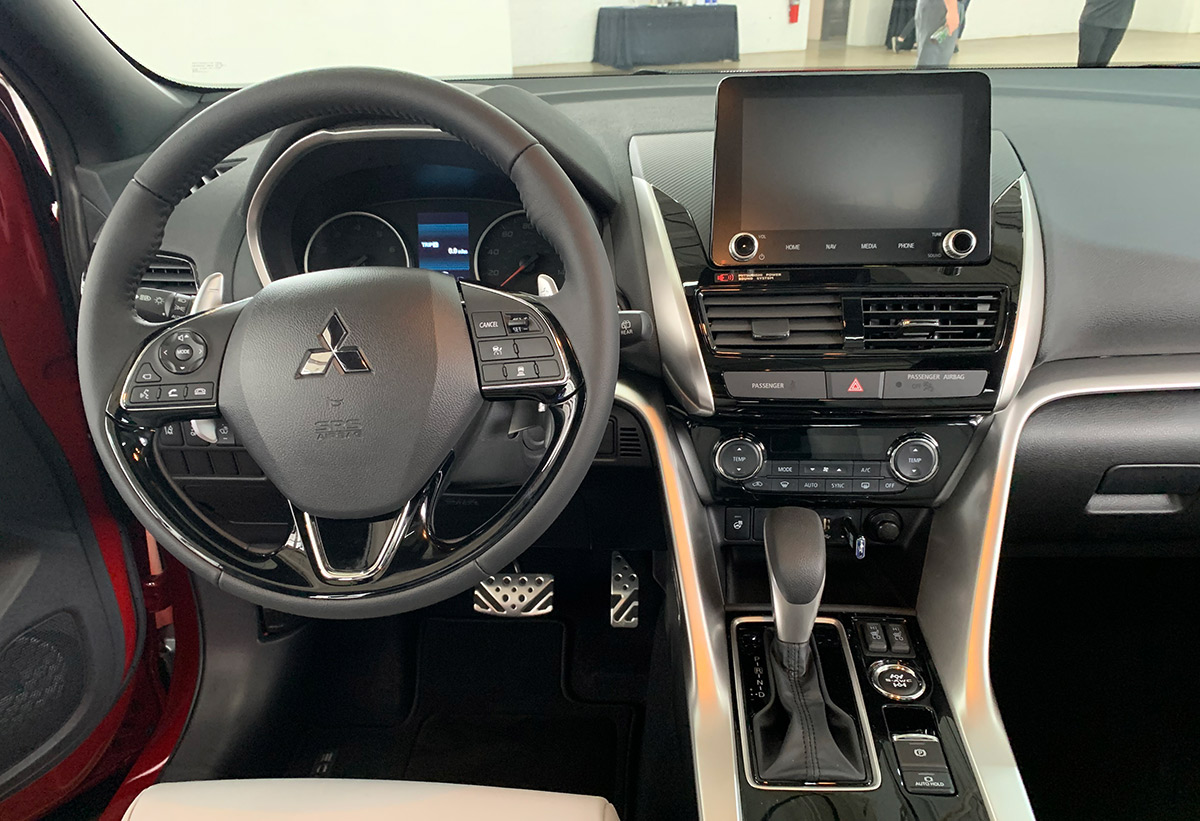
<point x="801" y="736"/>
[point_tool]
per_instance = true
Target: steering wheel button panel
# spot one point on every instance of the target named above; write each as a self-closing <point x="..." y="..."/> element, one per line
<point x="525" y="353"/>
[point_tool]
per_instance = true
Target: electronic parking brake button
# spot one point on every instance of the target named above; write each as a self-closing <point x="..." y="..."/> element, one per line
<point x="917" y="751"/>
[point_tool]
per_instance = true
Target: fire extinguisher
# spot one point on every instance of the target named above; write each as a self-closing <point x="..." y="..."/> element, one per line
<point x="793" y="11"/>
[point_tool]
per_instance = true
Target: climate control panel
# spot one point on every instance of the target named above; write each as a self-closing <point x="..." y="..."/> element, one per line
<point x="834" y="460"/>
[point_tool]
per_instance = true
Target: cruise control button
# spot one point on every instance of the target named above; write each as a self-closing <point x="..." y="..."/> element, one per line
<point x="928" y="782"/>
<point x="146" y="373"/>
<point x="520" y="371"/>
<point x="493" y="372"/>
<point x="548" y="369"/>
<point x="487" y="324"/>
<point x="537" y="346"/>
<point x="855" y="385"/>
<point x="521" y="323"/>
<point x="497" y="349"/>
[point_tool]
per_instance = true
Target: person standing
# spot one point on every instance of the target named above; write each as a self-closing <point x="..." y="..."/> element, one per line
<point x="937" y="30"/>
<point x="1101" y="28"/>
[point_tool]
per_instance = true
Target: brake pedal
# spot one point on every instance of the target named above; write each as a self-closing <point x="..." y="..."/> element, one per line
<point x="623" y="609"/>
<point x="515" y="595"/>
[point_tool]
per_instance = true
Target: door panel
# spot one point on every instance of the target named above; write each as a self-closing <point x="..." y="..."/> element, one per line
<point x="70" y="625"/>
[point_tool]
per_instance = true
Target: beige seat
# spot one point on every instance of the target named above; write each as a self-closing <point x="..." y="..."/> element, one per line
<point x="318" y="799"/>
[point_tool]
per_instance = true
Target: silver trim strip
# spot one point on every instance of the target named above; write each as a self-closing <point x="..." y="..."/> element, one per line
<point x="864" y="725"/>
<point x="396" y="532"/>
<point x="706" y="669"/>
<point x="1027" y="329"/>
<point x="262" y="194"/>
<point x="683" y="364"/>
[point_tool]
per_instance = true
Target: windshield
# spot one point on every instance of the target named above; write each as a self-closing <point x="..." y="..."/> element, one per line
<point x="228" y="43"/>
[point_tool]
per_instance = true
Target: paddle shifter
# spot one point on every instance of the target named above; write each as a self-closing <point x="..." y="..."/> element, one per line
<point x="801" y="737"/>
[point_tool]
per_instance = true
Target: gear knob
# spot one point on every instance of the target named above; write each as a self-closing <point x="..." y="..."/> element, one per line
<point x="795" y="542"/>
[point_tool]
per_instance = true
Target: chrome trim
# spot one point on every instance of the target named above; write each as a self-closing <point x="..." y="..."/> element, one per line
<point x="391" y="543"/>
<point x="1027" y="329"/>
<point x="880" y="666"/>
<point x="864" y="726"/>
<point x="683" y="364"/>
<point x="948" y="243"/>
<point x="742" y="257"/>
<point x="921" y="438"/>
<point x="706" y="669"/>
<point x="321" y="227"/>
<point x="724" y="443"/>
<point x="262" y="193"/>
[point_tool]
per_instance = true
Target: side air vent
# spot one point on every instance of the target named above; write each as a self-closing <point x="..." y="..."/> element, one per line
<point x="629" y="442"/>
<point x="935" y="321"/>
<point x="220" y="168"/>
<point x="171" y="273"/>
<point x="765" y="322"/>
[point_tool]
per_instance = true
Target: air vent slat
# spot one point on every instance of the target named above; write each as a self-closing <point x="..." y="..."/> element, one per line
<point x="933" y="321"/>
<point x="170" y="273"/>
<point x="739" y="322"/>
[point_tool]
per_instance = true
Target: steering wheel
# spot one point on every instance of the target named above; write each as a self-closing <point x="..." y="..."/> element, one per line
<point x="352" y="389"/>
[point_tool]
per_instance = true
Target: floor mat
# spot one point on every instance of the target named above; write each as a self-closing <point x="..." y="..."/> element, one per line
<point x="492" y="707"/>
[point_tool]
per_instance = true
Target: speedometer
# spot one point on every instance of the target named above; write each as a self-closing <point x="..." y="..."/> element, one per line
<point x="511" y="255"/>
<point x="354" y="239"/>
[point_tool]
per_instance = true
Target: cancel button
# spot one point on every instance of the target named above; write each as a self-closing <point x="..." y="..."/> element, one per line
<point x="933" y="384"/>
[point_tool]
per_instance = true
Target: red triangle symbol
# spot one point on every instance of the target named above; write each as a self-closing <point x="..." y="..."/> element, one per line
<point x="855" y="387"/>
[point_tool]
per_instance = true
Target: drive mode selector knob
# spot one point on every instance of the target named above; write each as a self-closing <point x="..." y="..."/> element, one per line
<point x="914" y="459"/>
<point x="738" y="459"/>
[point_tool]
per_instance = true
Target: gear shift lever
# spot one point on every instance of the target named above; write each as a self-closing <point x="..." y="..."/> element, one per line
<point x="795" y="542"/>
<point x="801" y="736"/>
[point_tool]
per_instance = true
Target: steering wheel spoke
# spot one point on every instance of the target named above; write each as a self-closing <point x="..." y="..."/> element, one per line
<point x="177" y="373"/>
<point x="520" y="349"/>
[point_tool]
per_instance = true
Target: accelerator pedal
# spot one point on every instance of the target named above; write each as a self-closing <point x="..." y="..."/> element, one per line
<point x="623" y="610"/>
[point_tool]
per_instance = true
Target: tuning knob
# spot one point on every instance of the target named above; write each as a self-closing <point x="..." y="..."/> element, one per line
<point x="739" y="458"/>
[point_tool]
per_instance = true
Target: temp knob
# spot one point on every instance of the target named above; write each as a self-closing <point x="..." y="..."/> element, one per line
<point x="914" y="459"/>
<point x="738" y="459"/>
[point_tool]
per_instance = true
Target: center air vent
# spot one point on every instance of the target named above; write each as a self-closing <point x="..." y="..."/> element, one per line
<point x="171" y="273"/>
<point x="934" y="321"/>
<point x="765" y="322"/>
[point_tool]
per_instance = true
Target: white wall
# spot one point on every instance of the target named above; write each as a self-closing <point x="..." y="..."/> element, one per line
<point x="233" y="42"/>
<point x="1166" y="15"/>
<point x="564" y="31"/>
<point x="868" y="22"/>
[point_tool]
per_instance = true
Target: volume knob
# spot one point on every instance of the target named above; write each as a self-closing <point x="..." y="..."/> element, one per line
<point x="738" y="459"/>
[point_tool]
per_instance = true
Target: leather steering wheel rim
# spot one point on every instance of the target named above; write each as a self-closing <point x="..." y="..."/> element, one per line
<point x="111" y="332"/>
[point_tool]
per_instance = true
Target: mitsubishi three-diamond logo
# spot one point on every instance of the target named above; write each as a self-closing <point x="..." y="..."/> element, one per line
<point x="348" y="358"/>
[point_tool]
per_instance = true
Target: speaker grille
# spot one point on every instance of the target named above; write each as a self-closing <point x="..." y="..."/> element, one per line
<point x="42" y="675"/>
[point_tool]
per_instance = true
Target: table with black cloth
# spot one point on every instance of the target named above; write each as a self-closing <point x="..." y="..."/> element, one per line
<point x="628" y="36"/>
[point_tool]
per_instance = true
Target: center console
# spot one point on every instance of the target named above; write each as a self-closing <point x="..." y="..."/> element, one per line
<point x="851" y="306"/>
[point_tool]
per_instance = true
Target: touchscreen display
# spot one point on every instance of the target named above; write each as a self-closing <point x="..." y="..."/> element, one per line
<point x="852" y="170"/>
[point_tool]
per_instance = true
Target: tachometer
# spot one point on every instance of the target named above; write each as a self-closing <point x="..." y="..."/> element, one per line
<point x="354" y="239"/>
<point x="511" y="254"/>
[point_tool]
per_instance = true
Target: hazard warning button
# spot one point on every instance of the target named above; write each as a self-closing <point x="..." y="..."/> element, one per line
<point x="854" y="385"/>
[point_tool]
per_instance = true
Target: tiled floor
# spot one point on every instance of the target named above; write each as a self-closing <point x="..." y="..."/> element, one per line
<point x="1138" y="48"/>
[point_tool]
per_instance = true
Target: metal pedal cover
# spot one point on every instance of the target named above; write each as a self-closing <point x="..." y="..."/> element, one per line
<point x="515" y="595"/>
<point x="623" y="609"/>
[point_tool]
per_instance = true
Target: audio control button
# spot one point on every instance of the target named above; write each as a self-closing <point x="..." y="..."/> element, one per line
<point x="738" y="458"/>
